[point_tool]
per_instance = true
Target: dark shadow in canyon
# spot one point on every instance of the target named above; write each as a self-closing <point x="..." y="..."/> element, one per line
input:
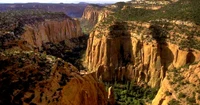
<point x="167" y="57"/>
<point x="119" y="32"/>
<point x="159" y="33"/>
<point x="70" y="50"/>
<point x="190" y="57"/>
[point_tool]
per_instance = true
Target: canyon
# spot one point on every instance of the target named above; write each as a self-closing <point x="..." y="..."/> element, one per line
<point x="122" y="49"/>
<point x="124" y="54"/>
<point x="30" y="76"/>
<point x="134" y="54"/>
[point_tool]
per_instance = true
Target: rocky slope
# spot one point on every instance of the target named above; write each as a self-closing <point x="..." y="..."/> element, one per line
<point x="180" y="86"/>
<point x="32" y="78"/>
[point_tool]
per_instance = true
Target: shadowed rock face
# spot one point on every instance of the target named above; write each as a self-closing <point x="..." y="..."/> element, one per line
<point x="31" y="78"/>
<point x="117" y="52"/>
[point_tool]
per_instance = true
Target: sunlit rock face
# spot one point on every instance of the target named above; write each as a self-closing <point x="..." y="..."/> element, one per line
<point x="180" y="86"/>
<point x="51" y="31"/>
<point x="130" y="51"/>
<point x="92" y="15"/>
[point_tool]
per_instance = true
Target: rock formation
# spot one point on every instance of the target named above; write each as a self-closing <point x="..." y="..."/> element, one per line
<point x="92" y="15"/>
<point x="130" y="51"/>
<point x="32" y="78"/>
<point x="111" y="96"/>
<point x="51" y="31"/>
<point x="180" y="86"/>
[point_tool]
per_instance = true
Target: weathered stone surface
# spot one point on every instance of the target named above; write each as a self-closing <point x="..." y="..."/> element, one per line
<point x="51" y="31"/>
<point x="181" y="85"/>
<point x="118" y="52"/>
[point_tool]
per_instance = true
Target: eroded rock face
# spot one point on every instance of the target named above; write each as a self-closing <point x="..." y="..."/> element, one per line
<point x="51" y="31"/>
<point x="180" y="86"/>
<point x="92" y="15"/>
<point x="31" y="78"/>
<point x="117" y="52"/>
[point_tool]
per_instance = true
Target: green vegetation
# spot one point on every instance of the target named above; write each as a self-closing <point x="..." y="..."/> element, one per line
<point x="190" y="43"/>
<point x="199" y="97"/>
<point x="168" y="93"/>
<point x="174" y="102"/>
<point x="181" y="84"/>
<point x="181" y="95"/>
<point x="162" y="28"/>
<point x="131" y="94"/>
<point x="191" y="100"/>
<point x="67" y="51"/>
<point x="158" y="33"/>
<point x="186" y="10"/>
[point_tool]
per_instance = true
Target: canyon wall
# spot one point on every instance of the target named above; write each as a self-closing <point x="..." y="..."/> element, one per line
<point x="92" y="15"/>
<point x="51" y="31"/>
<point x="122" y="52"/>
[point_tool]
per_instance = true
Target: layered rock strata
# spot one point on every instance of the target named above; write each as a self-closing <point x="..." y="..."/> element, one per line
<point x="128" y="51"/>
<point x="51" y="31"/>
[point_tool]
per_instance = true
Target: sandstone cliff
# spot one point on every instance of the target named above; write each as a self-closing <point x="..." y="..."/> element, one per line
<point x="51" y="31"/>
<point x="130" y="51"/>
<point x="180" y="86"/>
<point x="31" y="78"/>
<point x="38" y="27"/>
<point x="92" y="15"/>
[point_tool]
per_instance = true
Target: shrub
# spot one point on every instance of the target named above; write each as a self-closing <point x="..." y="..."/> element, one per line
<point x="174" y="102"/>
<point x="181" y="95"/>
<point x="168" y="93"/>
<point x="199" y="97"/>
<point x="191" y="100"/>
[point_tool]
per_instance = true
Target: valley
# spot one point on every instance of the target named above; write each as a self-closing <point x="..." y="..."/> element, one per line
<point x="140" y="52"/>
